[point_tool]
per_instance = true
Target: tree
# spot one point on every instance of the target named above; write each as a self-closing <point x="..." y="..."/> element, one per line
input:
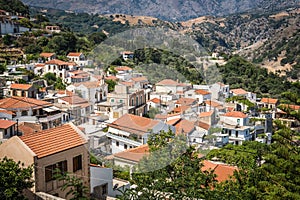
<point x="172" y="169"/>
<point x="14" y="178"/>
<point x="2" y="68"/>
<point x="111" y="85"/>
<point x="74" y="185"/>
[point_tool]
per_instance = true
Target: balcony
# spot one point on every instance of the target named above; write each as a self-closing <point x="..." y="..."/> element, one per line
<point x="48" y="118"/>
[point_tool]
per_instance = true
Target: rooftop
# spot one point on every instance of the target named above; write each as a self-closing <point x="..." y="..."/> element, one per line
<point x="223" y="171"/>
<point x="55" y="140"/>
<point x="134" y="154"/>
<point x="239" y="91"/>
<point x="269" y="100"/>
<point x="202" y="92"/>
<point x="47" y="55"/>
<point x="235" y="114"/>
<point x="123" y="68"/>
<point x="134" y="124"/>
<point x="74" y="54"/>
<point x="206" y="114"/>
<point x="167" y="82"/>
<point x="155" y="100"/>
<point x="186" y="101"/>
<point x="20" y="86"/>
<point x="4" y="124"/>
<point x="22" y="103"/>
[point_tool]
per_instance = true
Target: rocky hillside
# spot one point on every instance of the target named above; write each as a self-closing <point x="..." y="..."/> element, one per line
<point x="171" y="10"/>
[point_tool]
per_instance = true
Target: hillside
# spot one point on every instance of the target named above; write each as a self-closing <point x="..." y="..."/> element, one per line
<point x="171" y="10"/>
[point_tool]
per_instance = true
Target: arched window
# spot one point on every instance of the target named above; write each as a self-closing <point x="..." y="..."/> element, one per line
<point x="137" y="101"/>
<point x="132" y="102"/>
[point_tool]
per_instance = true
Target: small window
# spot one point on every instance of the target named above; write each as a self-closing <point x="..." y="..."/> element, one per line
<point x="125" y="146"/>
<point x="130" y="147"/>
<point x="77" y="163"/>
<point x="112" y="100"/>
<point x="49" y="170"/>
<point x="117" y="143"/>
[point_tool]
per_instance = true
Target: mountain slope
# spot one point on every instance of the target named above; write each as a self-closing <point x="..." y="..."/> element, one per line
<point x="172" y="10"/>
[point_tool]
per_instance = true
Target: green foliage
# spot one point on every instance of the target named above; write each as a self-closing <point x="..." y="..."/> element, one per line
<point x="14" y="178"/>
<point x="2" y="68"/>
<point x="14" y="6"/>
<point x="7" y="39"/>
<point x="94" y="160"/>
<point x="63" y="43"/>
<point x="172" y="169"/>
<point x="111" y="85"/>
<point x="152" y="112"/>
<point x="239" y="73"/>
<point x="74" y="185"/>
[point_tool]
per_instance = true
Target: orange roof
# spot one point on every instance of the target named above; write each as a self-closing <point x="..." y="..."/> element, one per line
<point x="114" y="78"/>
<point x="7" y="112"/>
<point x="160" y="116"/>
<point x="202" y="92"/>
<point x="29" y="128"/>
<point x="39" y="65"/>
<point x="203" y="125"/>
<point x="123" y="68"/>
<point x="22" y="103"/>
<point x="57" y="62"/>
<point x="68" y="93"/>
<point x="269" y="100"/>
<point x="236" y="114"/>
<point x="230" y="109"/>
<point x="206" y="114"/>
<point x="20" y="86"/>
<point x="127" y="52"/>
<point x="181" y="109"/>
<point x="167" y="82"/>
<point x="127" y="83"/>
<point x="239" y="91"/>
<point x="47" y="55"/>
<point x="4" y="124"/>
<point x="88" y="84"/>
<point x="184" y="126"/>
<point x="74" y="100"/>
<point x="140" y="79"/>
<point x="134" y="154"/>
<point x="134" y="124"/>
<point x="185" y="101"/>
<point x="213" y="103"/>
<point x="221" y="84"/>
<point x="74" y="54"/>
<point x="223" y="171"/>
<point x="293" y="107"/>
<point x="55" y="140"/>
<point x="155" y="100"/>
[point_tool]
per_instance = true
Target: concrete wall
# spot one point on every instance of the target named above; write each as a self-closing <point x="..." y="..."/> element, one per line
<point x="53" y="187"/>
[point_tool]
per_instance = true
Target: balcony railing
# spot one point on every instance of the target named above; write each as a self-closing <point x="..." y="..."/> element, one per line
<point x="45" y="118"/>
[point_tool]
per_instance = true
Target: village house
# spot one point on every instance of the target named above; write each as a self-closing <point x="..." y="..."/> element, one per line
<point x="135" y="130"/>
<point x="124" y="73"/>
<point x="33" y="111"/>
<point x="53" y="29"/>
<point x="64" y="148"/>
<point x="7" y="129"/>
<point x="78" y="58"/>
<point x="268" y="103"/>
<point x="48" y="56"/>
<point x="8" y="26"/>
<point x="199" y="94"/>
<point x="153" y="103"/>
<point x="94" y="92"/>
<point x="77" y="76"/>
<point x="169" y="86"/>
<point x="23" y="90"/>
<point x="243" y="93"/>
<point x="127" y="55"/>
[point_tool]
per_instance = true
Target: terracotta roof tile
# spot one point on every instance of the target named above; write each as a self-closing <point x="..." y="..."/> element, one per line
<point x="181" y="109"/>
<point x="223" y="171"/>
<point x="57" y="62"/>
<point x="88" y="84"/>
<point x="114" y="78"/>
<point x="74" y="54"/>
<point x="127" y="52"/>
<point x="206" y="114"/>
<point x="213" y="103"/>
<point x="235" y="114"/>
<point x="183" y="126"/>
<point x="20" y="86"/>
<point x="22" y="103"/>
<point x="186" y="101"/>
<point x="140" y="79"/>
<point x="202" y="92"/>
<point x="4" y="124"/>
<point x="239" y="91"/>
<point x="203" y="125"/>
<point x="134" y="154"/>
<point x="167" y="82"/>
<point x="123" y="68"/>
<point x="155" y="100"/>
<point x="293" y="107"/>
<point x="29" y="128"/>
<point x="47" y="55"/>
<point x="55" y="140"/>
<point x="7" y="112"/>
<point x="269" y="100"/>
<point x="134" y="124"/>
<point x="74" y="100"/>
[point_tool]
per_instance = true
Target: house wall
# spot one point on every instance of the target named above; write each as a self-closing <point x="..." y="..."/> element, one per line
<point x="101" y="176"/>
<point x="166" y="89"/>
<point x="121" y="147"/>
<point x="53" y="187"/>
<point x="7" y="133"/>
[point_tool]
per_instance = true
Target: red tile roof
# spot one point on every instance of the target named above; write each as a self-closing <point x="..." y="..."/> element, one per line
<point x="55" y="140"/>
<point x="20" y="86"/>
<point x="7" y="112"/>
<point x="213" y="103"/>
<point x="202" y="92"/>
<point x="181" y="109"/>
<point x="134" y="124"/>
<point x="204" y="125"/>
<point x="88" y="84"/>
<point x="140" y="79"/>
<point x="57" y="62"/>
<point x="269" y="100"/>
<point x="155" y="100"/>
<point x="74" y="54"/>
<point x="167" y="82"/>
<point x="235" y="114"/>
<point x="127" y="52"/>
<point x="134" y="154"/>
<point x="239" y="91"/>
<point x="123" y="68"/>
<point x="186" y="101"/>
<point x="47" y="55"/>
<point x="206" y="114"/>
<point x="114" y="78"/>
<point x="223" y="171"/>
<point x="74" y="100"/>
<point x="4" y="124"/>
<point x="293" y="107"/>
<point x="29" y="128"/>
<point x="22" y="103"/>
<point x="182" y="126"/>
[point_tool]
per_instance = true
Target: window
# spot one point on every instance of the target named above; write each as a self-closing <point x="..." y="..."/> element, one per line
<point x="236" y="134"/>
<point x="77" y="163"/>
<point x="137" y="101"/>
<point x="132" y="102"/>
<point x="51" y="170"/>
<point x="229" y="132"/>
<point x="104" y="189"/>
<point x="117" y="143"/>
<point x="125" y="146"/>
<point x="112" y="100"/>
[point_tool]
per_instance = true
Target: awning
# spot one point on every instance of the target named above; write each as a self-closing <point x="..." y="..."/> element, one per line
<point x="51" y="109"/>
